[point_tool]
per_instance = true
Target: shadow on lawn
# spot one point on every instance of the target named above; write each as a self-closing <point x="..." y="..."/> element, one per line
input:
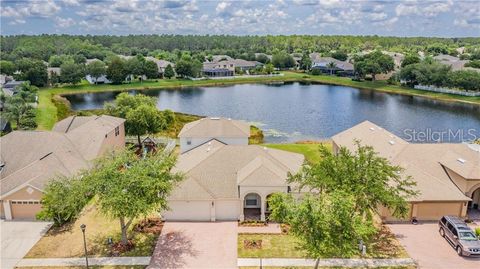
<point x="171" y="251"/>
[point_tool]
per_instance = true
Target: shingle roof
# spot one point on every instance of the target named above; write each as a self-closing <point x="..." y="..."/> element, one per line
<point x="215" y="127"/>
<point x="218" y="169"/>
<point x="34" y="157"/>
<point x="423" y="162"/>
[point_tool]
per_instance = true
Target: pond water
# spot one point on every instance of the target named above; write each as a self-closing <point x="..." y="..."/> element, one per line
<point x="295" y="111"/>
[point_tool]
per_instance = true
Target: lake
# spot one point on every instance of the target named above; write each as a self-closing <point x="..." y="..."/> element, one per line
<point x="295" y="111"/>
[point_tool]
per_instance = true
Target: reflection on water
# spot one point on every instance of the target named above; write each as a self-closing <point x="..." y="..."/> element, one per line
<point x="299" y="111"/>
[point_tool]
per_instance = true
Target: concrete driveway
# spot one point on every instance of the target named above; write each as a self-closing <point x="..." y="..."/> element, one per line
<point x="196" y="245"/>
<point x="17" y="238"/>
<point x="425" y="245"/>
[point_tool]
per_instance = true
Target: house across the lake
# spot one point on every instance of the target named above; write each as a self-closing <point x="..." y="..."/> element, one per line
<point x="329" y="65"/>
<point x="29" y="159"/>
<point x="447" y="174"/>
<point x="225" y="178"/>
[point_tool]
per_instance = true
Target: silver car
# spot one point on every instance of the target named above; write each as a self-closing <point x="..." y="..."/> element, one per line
<point x="460" y="236"/>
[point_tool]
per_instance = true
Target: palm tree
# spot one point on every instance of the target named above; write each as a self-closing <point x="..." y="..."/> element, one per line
<point x="331" y="66"/>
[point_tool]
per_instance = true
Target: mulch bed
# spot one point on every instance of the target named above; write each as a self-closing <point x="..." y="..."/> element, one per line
<point x="253" y="223"/>
<point x="118" y="248"/>
<point x="252" y="244"/>
<point x="150" y="225"/>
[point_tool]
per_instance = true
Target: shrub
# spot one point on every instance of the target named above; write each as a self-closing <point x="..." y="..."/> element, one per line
<point x="64" y="199"/>
<point x="63" y="106"/>
<point x="316" y="71"/>
<point x="477" y="231"/>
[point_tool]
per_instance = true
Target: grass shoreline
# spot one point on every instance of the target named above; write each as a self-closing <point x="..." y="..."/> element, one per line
<point x="47" y="111"/>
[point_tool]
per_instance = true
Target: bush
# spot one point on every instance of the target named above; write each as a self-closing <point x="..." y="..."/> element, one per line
<point x="64" y="199"/>
<point x="63" y="107"/>
<point x="477" y="231"/>
<point x="316" y="71"/>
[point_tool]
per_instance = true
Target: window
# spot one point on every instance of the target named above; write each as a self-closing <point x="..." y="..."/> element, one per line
<point x="251" y="202"/>
<point x="117" y="131"/>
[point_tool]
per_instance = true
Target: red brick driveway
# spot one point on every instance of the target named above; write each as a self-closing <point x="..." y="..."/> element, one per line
<point x="196" y="245"/>
<point x="424" y="244"/>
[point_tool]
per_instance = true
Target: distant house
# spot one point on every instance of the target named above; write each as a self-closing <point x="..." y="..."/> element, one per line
<point x="454" y="62"/>
<point x="161" y="64"/>
<point x="100" y="80"/>
<point x="218" y="58"/>
<point x="5" y="126"/>
<point x="11" y="87"/>
<point x="4" y="79"/>
<point x="224" y="130"/>
<point x="30" y="159"/>
<point x="245" y="65"/>
<point x="218" y="69"/>
<point x="53" y="70"/>
<point x="340" y="67"/>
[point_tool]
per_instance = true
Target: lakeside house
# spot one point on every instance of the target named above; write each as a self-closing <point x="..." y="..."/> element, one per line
<point x="455" y="62"/>
<point x="226" y="67"/>
<point x="342" y="68"/>
<point x="29" y="159"/>
<point x="225" y="178"/>
<point x="447" y="174"/>
<point x="10" y="88"/>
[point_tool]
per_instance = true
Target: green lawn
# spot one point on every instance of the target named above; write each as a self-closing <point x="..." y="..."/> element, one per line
<point x="47" y="112"/>
<point x="310" y="151"/>
<point x="273" y="246"/>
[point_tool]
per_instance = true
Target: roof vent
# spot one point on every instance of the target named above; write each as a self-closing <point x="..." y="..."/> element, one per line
<point x="210" y="143"/>
<point x="215" y="118"/>
<point x="265" y="148"/>
<point x="461" y="160"/>
<point x="372" y="129"/>
<point x="208" y="149"/>
<point x="2" y="165"/>
<point x="229" y="118"/>
<point x="391" y="142"/>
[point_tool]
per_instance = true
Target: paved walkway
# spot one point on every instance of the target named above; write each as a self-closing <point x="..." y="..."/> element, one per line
<point x="326" y="262"/>
<point x="271" y="228"/>
<point x="104" y="261"/>
<point x="17" y="238"/>
<point x="196" y="245"/>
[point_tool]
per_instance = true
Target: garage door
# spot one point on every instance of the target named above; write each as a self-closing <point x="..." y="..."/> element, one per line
<point x="25" y="209"/>
<point x="227" y="210"/>
<point x="191" y="210"/>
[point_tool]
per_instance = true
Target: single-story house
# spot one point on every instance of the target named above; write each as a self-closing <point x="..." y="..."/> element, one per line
<point x="218" y="58"/>
<point x="447" y="174"/>
<point x="100" y="80"/>
<point x="10" y="88"/>
<point x="29" y="159"/>
<point x="455" y="62"/>
<point x="323" y="64"/>
<point x="229" y="181"/>
<point x="161" y="64"/>
<point x="245" y="65"/>
<point x="228" y="131"/>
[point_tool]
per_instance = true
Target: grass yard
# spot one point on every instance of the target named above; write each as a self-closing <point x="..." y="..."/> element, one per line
<point x="67" y="241"/>
<point x="273" y="246"/>
<point x="384" y="245"/>
<point x="309" y="150"/>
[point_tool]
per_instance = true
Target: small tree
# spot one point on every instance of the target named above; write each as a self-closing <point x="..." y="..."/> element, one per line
<point x="116" y="71"/>
<point x="169" y="73"/>
<point x="305" y="62"/>
<point x="96" y="69"/>
<point x="143" y="120"/>
<point x="128" y="187"/>
<point x="269" y="68"/>
<point x="150" y="69"/>
<point x="331" y="66"/>
<point x="7" y="68"/>
<point x="71" y="73"/>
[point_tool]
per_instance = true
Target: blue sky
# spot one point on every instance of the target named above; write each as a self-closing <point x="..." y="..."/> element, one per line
<point x="445" y="18"/>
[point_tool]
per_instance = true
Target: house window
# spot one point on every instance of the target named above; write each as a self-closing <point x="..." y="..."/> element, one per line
<point x="251" y="200"/>
<point x="117" y="131"/>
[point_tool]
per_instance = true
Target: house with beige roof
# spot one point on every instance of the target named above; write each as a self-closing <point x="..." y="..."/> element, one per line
<point x="226" y="180"/>
<point x="29" y="159"/>
<point x="447" y="174"/>
<point x="225" y="130"/>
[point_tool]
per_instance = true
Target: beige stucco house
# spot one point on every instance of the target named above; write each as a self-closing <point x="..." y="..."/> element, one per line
<point x="228" y="181"/>
<point x="29" y="159"/>
<point x="447" y="174"/>
<point x="228" y="131"/>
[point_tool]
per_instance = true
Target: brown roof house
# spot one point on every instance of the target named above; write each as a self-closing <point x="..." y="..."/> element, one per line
<point x="29" y="159"/>
<point x="447" y="174"/>
<point x="226" y="179"/>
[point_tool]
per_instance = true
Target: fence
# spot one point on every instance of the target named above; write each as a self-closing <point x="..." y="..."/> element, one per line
<point x="446" y="90"/>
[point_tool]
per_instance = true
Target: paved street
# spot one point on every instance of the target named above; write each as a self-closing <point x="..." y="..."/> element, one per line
<point x="424" y="244"/>
<point x="17" y="238"/>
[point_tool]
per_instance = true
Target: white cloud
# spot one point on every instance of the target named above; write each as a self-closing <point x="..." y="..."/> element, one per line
<point x="64" y="22"/>
<point x="221" y="7"/>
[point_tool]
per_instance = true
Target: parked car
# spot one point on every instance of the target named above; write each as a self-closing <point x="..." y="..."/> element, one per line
<point x="459" y="235"/>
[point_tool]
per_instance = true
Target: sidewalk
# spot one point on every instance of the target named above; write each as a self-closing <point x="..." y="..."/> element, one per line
<point x="81" y="261"/>
<point x="281" y="262"/>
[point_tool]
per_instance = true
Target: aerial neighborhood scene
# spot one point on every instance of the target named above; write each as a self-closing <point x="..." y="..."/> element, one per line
<point x="240" y="134"/>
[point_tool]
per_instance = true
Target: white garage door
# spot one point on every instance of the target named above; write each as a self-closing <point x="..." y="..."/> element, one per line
<point x="192" y="210"/>
<point x="227" y="210"/>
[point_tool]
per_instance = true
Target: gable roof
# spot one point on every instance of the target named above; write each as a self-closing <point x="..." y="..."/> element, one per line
<point x="215" y="127"/>
<point x="423" y="162"/>
<point x="34" y="157"/>
<point x="219" y="169"/>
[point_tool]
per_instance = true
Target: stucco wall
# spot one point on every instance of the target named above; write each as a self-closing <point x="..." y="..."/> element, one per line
<point x="26" y="193"/>
<point x="195" y="142"/>
<point x="227" y="209"/>
<point x="427" y="211"/>
<point x="112" y="141"/>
